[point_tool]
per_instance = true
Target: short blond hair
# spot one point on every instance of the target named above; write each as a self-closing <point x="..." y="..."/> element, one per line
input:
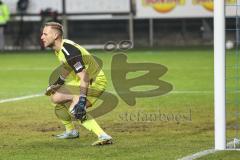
<point x="55" y="25"/>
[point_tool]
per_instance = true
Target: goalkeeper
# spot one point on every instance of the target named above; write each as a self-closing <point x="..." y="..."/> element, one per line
<point x="78" y="69"/>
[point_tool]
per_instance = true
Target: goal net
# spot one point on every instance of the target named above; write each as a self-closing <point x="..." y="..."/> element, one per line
<point x="232" y="62"/>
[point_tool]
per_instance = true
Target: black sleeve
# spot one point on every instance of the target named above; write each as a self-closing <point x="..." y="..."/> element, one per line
<point x="74" y="57"/>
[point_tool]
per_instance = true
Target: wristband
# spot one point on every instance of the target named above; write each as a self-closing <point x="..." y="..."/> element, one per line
<point x="60" y="80"/>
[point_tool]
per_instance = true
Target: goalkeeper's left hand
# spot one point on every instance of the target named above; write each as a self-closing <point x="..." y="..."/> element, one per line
<point x="79" y="110"/>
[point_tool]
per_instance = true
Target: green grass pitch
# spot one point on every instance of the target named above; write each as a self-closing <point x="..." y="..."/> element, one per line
<point x="27" y="125"/>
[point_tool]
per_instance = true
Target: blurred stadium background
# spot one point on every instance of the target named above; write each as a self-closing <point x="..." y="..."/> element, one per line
<point x="95" y="22"/>
<point x="175" y="33"/>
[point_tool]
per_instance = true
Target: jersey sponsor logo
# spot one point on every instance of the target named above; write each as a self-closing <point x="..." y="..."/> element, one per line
<point x="78" y="66"/>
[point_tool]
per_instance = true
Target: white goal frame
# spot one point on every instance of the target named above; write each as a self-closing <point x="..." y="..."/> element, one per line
<point x="219" y="75"/>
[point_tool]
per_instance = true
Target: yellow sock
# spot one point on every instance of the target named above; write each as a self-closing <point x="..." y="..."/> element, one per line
<point x="68" y="125"/>
<point x="62" y="114"/>
<point x="92" y="126"/>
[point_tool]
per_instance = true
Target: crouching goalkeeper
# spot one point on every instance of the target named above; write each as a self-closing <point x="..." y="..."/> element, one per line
<point x="78" y="86"/>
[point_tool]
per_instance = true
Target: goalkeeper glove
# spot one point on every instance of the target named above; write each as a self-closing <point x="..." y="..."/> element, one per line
<point x="53" y="87"/>
<point x="79" y="110"/>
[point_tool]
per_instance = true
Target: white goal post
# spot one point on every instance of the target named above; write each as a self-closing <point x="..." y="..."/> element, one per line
<point x="219" y="75"/>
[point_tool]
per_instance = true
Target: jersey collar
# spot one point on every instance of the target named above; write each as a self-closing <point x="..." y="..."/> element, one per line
<point x="57" y="52"/>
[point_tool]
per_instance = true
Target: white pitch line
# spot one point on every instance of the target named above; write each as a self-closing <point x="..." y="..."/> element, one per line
<point x="199" y="154"/>
<point x="191" y="92"/>
<point x="199" y="92"/>
<point x="41" y="94"/>
<point x="230" y="147"/>
<point x="25" y="69"/>
<point x="20" y="98"/>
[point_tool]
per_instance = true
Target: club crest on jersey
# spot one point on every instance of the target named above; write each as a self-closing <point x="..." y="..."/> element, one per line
<point x="78" y="66"/>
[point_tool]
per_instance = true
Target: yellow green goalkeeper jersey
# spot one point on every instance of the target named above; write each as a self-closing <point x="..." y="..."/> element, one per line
<point x="75" y="58"/>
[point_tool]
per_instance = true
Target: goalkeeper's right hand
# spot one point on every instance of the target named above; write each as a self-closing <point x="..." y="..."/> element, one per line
<point x="52" y="89"/>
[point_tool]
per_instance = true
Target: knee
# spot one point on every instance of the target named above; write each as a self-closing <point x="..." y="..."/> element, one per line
<point x="56" y="99"/>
